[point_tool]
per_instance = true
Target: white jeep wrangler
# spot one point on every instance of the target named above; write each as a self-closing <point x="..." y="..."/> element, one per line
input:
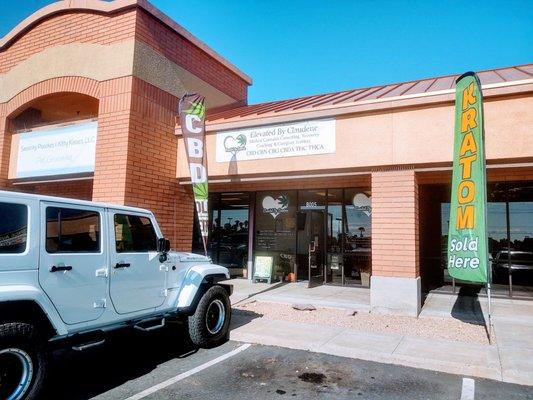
<point x="71" y="271"/>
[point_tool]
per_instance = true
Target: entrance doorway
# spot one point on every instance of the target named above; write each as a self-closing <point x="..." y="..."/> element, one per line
<point x="311" y="246"/>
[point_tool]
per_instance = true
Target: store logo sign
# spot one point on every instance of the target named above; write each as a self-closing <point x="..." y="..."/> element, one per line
<point x="275" y="206"/>
<point x="235" y="144"/>
<point x="301" y="138"/>
<point x="363" y="203"/>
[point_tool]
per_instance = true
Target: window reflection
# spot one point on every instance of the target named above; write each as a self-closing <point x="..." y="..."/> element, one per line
<point x="228" y="231"/>
<point x="335" y="261"/>
<point x="282" y="232"/>
<point x="275" y="230"/>
<point x="358" y="233"/>
<point x="510" y="235"/>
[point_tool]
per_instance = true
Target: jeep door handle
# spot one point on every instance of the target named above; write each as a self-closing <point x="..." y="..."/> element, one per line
<point x="122" y="265"/>
<point x="53" y="268"/>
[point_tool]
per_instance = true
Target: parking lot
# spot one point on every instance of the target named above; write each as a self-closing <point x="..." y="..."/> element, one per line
<point x="164" y="365"/>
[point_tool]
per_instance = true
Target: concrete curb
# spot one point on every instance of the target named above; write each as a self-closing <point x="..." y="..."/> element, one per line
<point x="475" y="360"/>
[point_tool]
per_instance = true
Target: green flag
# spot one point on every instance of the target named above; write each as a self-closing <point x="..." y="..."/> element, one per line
<point x="467" y="237"/>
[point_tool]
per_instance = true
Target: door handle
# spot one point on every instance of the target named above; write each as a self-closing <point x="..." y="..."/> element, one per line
<point x="122" y="265"/>
<point x="54" y="268"/>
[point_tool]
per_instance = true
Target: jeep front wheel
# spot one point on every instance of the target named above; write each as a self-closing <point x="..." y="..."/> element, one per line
<point x="22" y="362"/>
<point x="209" y="325"/>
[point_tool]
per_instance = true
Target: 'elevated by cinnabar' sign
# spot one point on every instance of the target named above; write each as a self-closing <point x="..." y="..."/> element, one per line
<point x="467" y="237"/>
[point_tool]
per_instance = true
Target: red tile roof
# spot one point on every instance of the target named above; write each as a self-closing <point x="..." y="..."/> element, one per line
<point x="412" y="88"/>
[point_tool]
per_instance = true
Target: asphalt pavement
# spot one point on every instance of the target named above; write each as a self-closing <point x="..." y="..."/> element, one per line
<point x="165" y="365"/>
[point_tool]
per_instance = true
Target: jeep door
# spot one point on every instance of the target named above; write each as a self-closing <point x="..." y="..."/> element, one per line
<point x="138" y="278"/>
<point x="73" y="260"/>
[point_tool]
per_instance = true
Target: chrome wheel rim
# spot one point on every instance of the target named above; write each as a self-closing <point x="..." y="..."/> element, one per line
<point x="215" y="316"/>
<point x="16" y="373"/>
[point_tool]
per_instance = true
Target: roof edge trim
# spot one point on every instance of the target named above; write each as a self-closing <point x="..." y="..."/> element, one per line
<point x="105" y="7"/>
<point x="219" y="125"/>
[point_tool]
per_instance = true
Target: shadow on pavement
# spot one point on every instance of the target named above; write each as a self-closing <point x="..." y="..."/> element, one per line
<point x="242" y="317"/>
<point x="467" y="307"/>
<point x="125" y="356"/>
<point x="268" y="289"/>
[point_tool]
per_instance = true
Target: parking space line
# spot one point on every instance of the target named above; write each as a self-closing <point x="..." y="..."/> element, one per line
<point x="468" y="389"/>
<point x="190" y="372"/>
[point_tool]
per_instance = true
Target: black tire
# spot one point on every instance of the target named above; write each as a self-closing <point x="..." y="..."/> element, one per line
<point x="18" y="341"/>
<point x="204" y="329"/>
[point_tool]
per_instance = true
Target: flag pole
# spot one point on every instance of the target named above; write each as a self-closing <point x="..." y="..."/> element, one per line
<point x="489" y="328"/>
<point x="489" y="284"/>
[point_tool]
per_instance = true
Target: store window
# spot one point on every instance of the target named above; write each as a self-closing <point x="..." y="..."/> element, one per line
<point x="228" y="231"/>
<point x="510" y="237"/>
<point x="358" y="233"/>
<point x="335" y="236"/>
<point x="275" y="230"/>
<point x="335" y="224"/>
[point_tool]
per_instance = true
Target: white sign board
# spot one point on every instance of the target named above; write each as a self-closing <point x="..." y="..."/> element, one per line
<point x="273" y="141"/>
<point x="57" y="151"/>
<point x="263" y="267"/>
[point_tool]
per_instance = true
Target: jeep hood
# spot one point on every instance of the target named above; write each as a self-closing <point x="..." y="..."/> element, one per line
<point x="188" y="257"/>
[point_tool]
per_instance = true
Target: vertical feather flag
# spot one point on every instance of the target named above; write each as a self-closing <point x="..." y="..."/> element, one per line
<point x="192" y="120"/>
<point x="467" y="237"/>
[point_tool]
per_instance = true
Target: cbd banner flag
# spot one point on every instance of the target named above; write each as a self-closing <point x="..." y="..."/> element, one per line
<point x="467" y="237"/>
<point x="192" y="121"/>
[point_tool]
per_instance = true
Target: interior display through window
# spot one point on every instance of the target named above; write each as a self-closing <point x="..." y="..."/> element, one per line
<point x="275" y="229"/>
<point x="228" y="231"/>
<point x="358" y="233"/>
<point x="510" y="236"/>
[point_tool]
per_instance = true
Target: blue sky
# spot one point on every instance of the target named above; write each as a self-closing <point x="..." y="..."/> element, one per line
<point x="297" y="48"/>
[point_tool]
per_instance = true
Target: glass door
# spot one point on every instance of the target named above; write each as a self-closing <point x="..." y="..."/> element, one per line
<point x="311" y="245"/>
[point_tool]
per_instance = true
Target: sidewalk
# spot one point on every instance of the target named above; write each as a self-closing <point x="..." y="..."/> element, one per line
<point x="509" y="358"/>
<point x="289" y="293"/>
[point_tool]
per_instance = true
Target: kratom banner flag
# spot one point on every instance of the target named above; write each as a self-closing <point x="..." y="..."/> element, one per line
<point x="192" y="121"/>
<point x="467" y="237"/>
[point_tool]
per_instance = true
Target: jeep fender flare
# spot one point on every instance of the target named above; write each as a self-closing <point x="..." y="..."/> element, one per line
<point x="197" y="278"/>
<point x="27" y="293"/>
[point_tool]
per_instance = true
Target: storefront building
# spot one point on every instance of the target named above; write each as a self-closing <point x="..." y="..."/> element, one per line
<point x="348" y="188"/>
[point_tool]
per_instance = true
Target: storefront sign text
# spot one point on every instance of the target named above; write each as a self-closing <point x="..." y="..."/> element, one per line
<point x="275" y="206"/>
<point x="57" y="151"/>
<point x="192" y="118"/>
<point x="287" y="140"/>
<point x="467" y="238"/>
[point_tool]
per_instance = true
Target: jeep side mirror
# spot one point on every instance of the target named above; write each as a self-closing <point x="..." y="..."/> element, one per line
<point x="163" y="245"/>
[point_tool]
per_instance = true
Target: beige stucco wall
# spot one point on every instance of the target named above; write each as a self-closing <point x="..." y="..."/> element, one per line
<point x="94" y="61"/>
<point x="105" y="62"/>
<point x="409" y="136"/>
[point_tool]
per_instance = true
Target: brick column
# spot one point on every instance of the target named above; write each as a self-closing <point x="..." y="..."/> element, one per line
<point x="5" y="147"/>
<point x="112" y="144"/>
<point x="136" y="156"/>
<point x="395" y="285"/>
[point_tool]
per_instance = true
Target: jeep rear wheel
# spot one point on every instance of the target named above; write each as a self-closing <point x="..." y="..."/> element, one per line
<point x="209" y="325"/>
<point x="22" y="362"/>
